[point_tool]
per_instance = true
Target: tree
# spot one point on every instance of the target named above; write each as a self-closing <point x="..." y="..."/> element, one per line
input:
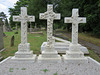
<point x="2" y="15"/>
<point x="1" y="22"/>
<point x="16" y="10"/>
<point x="6" y="23"/>
<point x="87" y="8"/>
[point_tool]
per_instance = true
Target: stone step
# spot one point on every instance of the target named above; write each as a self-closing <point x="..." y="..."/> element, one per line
<point x="24" y="54"/>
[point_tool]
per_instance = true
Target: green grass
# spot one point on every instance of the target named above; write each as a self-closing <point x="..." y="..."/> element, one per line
<point x="93" y="55"/>
<point x="89" y="38"/>
<point x="55" y="73"/>
<point x="35" y="41"/>
<point x="45" y="70"/>
<point x="11" y="70"/>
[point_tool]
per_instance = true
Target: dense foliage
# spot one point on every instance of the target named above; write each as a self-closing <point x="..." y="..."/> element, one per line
<point x="87" y="8"/>
<point x="3" y="18"/>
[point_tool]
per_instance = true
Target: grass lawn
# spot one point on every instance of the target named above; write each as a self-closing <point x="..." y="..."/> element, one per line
<point x="35" y="41"/>
<point x="89" y="38"/>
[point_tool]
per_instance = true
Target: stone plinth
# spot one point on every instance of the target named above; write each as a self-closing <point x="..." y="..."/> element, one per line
<point x="74" y="55"/>
<point x="49" y="54"/>
<point x="24" y="52"/>
<point x="62" y="47"/>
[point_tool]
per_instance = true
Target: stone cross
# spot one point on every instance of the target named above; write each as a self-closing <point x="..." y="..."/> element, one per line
<point x="35" y="27"/>
<point x="30" y="25"/>
<point x="16" y="27"/>
<point x="4" y="27"/>
<point x="75" y="20"/>
<point x="50" y="16"/>
<point x="23" y="18"/>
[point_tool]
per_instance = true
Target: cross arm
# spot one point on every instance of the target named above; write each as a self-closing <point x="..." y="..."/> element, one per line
<point x="67" y="20"/>
<point x="82" y="20"/>
<point x="42" y="15"/>
<point x="31" y="18"/>
<point x="16" y="18"/>
<point x="57" y="16"/>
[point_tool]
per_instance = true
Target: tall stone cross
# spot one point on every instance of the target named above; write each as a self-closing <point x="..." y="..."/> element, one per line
<point x="30" y="25"/>
<point x="16" y="27"/>
<point x="50" y="16"/>
<point x="23" y="18"/>
<point x="75" y="20"/>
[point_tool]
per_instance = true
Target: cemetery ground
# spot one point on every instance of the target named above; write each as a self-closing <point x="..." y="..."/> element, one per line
<point x="36" y="40"/>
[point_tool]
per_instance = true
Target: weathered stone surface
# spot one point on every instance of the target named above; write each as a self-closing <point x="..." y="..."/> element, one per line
<point x="10" y="67"/>
<point x="24" y="52"/>
<point x="4" y="27"/>
<point x="30" y="29"/>
<point x="1" y="38"/>
<point x="49" y="53"/>
<point x="12" y="41"/>
<point x="50" y="16"/>
<point x="62" y="47"/>
<point x="16" y="27"/>
<point x="74" y="52"/>
<point x="24" y="18"/>
<point x="75" y="20"/>
<point x="9" y="27"/>
<point x="37" y="32"/>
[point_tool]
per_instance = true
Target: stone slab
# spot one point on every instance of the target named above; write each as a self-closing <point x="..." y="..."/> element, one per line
<point x="37" y="32"/>
<point x="62" y="47"/>
<point x="1" y="38"/>
<point x="75" y="60"/>
<point x="33" y="58"/>
<point x="41" y="58"/>
<point x="10" y="67"/>
<point x="2" y="49"/>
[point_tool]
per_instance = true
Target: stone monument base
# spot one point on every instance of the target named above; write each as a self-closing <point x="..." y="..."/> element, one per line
<point x="24" y="53"/>
<point x="49" y="55"/>
<point x="74" y="60"/>
<point x="62" y="47"/>
<point x="56" y="58"/>
<point x="24" y="56"/>
<point x="74" y="55"/>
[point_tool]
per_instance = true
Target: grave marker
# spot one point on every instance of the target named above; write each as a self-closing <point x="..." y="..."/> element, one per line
<point x="4" y="27"/>
<point x="75" y="20"/>
<point x="50" y="16"/>
<point x="12" y="40"/>
<point x="74" y="52"/>
<point x="1" y="38"/>
<point x="30" y="29"/>
<point x="49" y="53"/>
<point x="24" y="47"/>
<point x="16" y="27"/>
